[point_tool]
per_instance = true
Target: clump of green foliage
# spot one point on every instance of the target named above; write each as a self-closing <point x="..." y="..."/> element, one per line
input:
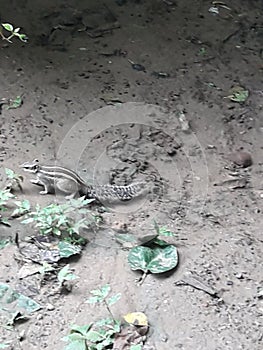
<point x="58" y="219"/>
<point x="98" y="335"/>
<point x="5" y="196"/>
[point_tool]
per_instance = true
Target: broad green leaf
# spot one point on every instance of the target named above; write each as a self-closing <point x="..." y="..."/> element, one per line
<point x="76" y="345"/>
<point x="112" y="300"/>
<point x="65" y="274"/>
<point x="80" y="329"/>
<point x="136" y="347"/>
<point x="12" y="301"/>
<point x="155" y="260"/>
<point x="75" y="336"/>
<point x="8" y="27"/>
<point x="67" y="249"/>
<point x="94" y="336"/>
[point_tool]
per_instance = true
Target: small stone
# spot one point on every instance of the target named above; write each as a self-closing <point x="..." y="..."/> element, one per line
<point x="239" y="276"/>
<point x="120" y="227"/>
<point x="241" y="158"/>
<point x="50" y="307"/>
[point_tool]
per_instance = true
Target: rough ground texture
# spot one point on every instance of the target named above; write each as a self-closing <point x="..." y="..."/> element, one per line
<point x="87" y="107"/>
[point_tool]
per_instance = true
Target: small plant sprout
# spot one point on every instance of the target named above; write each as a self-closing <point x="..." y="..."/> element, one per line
<point x="15" y="103"/>
<point x="23" y="208"/>
<point x="100" y="295"/>
<point x="5" y="196"/>
<point x="94" y="336"/>
<point x="12" y="32"/>
<point x="46" y="267"/>
<point x="13" y="179"/>
<point x="163" y="231"/>
<point x="66" y="275"/>
<point x="101" y="334"/>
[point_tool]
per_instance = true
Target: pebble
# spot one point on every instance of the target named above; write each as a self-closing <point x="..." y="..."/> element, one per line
<point x="241" y="158"/>
<point x="50" y="307"/>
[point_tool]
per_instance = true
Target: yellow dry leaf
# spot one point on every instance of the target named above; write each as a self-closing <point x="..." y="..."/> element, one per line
<point x="136" y="318"/>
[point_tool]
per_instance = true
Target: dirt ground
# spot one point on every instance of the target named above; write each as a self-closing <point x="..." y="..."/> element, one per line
<point x="131" y="90"/>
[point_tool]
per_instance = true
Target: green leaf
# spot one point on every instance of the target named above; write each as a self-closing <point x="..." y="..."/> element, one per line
<point x="17" y="30"/>
<point x="67" y="249"/>
<point x="136" y="347"/>
<point x="10" y="300"/>
<point x="165" y="232"/>
<point x="65" y="274"/>
<point x="238" y="94"/>
<point x="27" y="221"/>
<point x="4" y="221"/>
<point x="3" y="346"/>
<point x="22" y="37"/>
<point x="5" y="195"/>
<point x="94" y="336"/>
<point x="10" y="173"/>
<point x="160" y="242"/>
<point x="4" y="243"/>
<point x="105" y="290"/>
<point x="75" y="336"/>
<point x="94" y="300"/>
<point x="112" y="300"/>
<point x="8" y="27"/>
<point x="80" y="329"/>
<point x="104" y="322"/>
<point x="162" y="230"/>
<point x="23" y="207"/>
<point x="155" y="260"/>
<point x="16" y="103"/>
<point x="76" y="345"/>
<point x="46" y="267"/>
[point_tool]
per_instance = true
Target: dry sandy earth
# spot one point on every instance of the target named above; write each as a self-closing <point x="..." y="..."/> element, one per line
<point x="85" y="105"/>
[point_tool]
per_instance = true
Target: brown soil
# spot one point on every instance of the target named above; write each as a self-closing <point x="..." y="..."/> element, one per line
<point x="86" y="106"/>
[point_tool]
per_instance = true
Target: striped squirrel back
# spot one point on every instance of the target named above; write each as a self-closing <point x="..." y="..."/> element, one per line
<point x="65" y="180"/>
